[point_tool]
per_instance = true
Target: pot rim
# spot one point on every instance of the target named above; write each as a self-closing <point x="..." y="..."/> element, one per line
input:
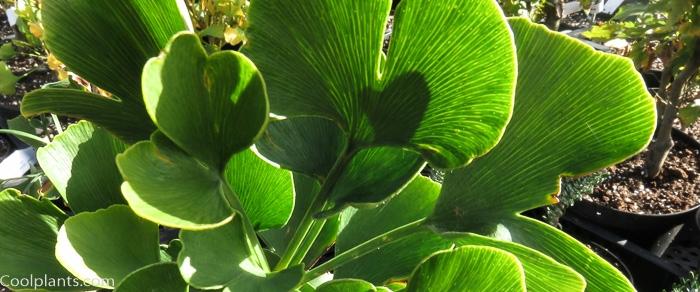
<point x="678" y="135"/>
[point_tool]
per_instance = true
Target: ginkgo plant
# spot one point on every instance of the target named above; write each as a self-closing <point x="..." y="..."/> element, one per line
<point x="312" y="137"/>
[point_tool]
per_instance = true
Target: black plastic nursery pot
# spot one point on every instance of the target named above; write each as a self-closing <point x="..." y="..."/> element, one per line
<point x="612" y="258"/>
<point x="646" y="271"/>
<point x="649" y="224"/>
<point x="657" y="250"/>
<point x="643" y="227"/>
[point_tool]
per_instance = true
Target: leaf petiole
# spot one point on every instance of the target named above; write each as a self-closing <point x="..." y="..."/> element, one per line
<point x="364" y="248"/>
<point x="24" y="135"/>
<point x="251" y="237"/>
<point x="319" y="202"/>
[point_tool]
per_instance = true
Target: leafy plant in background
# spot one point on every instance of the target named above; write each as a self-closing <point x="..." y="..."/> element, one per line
<point x="7" y="51"/>
<point x="668" y="31"/>
<point x="220" y="22"/>
<point x="572" y="191"/>
<point x="514" y="7"/>
<point x="691" y="283"/>
<point x="548" y="12"/>
<point x="29" y="35"/>
<point x="184" y="141"/>
<point x="28" y="22"/>
<point x="7" y="79"/>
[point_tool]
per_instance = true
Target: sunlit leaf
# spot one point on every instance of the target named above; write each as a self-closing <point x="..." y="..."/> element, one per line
<point x="469" y="269"/>
<point x="165" y="185"/>
<point x="324" y="59"/>
<point x="160" y="277"/>
<point x="28" y="238"/>
<point x="565" y="122"/>
<point x="210" y="106"/>
<point x="346" y="285"/>
<point x="599" y="274"/>
<point x="266" y="192"/>
<point x="109" y="113"/>
<point x="82" y="34"/>
<point x="398" y="259"/>
<point x="108" y="244"/>
<point x="220" y="258"/>
<point x="80" y="162"/>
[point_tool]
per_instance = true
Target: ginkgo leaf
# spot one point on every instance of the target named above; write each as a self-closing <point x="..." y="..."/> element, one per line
<point x="220" y="258"/>
<point x="266" y="191"/>
<point x="28" y="240"/>
<point x="104" y="247"/>
<point x="436" y="93"/>
<point x="80" y="162"/>
<point x="222" y="95"/>
<point x="107" y="43"/>
<point x="165" y="185"/>
<point x="469" y="268"/>
<point x="565" y="122"/>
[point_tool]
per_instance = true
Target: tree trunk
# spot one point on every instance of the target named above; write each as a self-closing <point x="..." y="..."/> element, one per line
<point x="553" y="10"/>
<point x="663" y="142"/>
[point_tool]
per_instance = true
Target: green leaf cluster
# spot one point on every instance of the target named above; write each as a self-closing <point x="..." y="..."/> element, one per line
<point x="311" y="136"/>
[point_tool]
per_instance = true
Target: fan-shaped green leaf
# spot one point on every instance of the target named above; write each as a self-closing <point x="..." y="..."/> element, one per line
<point x="165" y="185"/>
<point x="372" y="175"/>
<point x="324" y="58"/>
<point x="308" y="145"/>
<point x="413" y="203"/>
<point x="108" y="244"/>
<point x="80" y="163"/>
<point x="115" y="116"/>
<point x="599" y="274"/>
<point x="396" y="260"/>
<point x="221" y="258"/>
<point x="469" y="269"/>
<point x="83" y="34"/>
<point x="160" y="277"/>
<point x="567" y="121"/>
<point x="28" y="238"/>
<point x="312" y="145"/>
<point x="210" y="106"/>
<point x="108" y="42"/>
<point x="266" y="192"/>
<point x="346" y="285"/>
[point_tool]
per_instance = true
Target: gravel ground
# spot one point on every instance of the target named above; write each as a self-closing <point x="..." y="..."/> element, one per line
<point x="676" y="189"/>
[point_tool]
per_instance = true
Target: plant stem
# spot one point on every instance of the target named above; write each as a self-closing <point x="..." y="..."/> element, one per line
<point x="306" y="245"/>
<point x="23" y="135"/>
<point x="363" y="249"/>
<point x="57" y="123"/>
<point x="251" y="236"/>
<point x="663" y="142"/>
<point x="318" y="204"/>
